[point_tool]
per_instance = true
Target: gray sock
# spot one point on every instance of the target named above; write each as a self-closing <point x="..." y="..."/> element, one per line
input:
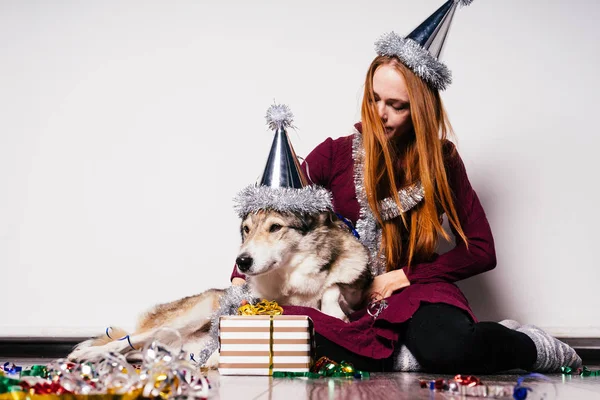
<point x="405" y="361"/>
<point x="551" y="352"/>
<point x="510" y="324"/>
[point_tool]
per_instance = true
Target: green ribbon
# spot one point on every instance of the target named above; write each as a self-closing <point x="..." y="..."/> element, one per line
<point x="36" y="370"/>
<point x="585" y="372"/>
<point x="330" y="369"/>
<point x="289" y="374"/>
<point x="9" y="385"/>
<point x="566" y="370"/>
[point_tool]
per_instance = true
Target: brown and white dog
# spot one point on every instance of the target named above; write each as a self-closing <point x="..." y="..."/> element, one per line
<point x="294" y="259"/>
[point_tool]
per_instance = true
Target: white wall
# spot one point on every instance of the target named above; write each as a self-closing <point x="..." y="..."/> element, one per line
<point x="127" y="127"/>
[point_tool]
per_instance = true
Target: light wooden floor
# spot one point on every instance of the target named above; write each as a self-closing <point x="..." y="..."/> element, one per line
<point x="397" y="386"/>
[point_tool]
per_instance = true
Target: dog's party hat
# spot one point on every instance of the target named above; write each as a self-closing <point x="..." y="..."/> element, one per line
<point x="283" y="186"/>
<point x="420" y="51"/>
<point x="282" y="169"/>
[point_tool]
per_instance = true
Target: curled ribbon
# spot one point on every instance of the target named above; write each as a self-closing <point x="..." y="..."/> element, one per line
<point x="326" y="368"/>
<point x="375" y="307"/>
<point x="14" y="370"/>
<point x="469" y="385"/>
<point x="263" y="307"/>
<point x="584" y="372"/>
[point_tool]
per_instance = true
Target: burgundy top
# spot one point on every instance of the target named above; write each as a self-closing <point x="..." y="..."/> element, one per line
<point x="332" y="166"/>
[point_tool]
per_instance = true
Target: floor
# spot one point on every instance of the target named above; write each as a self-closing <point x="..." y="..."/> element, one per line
<point x="397" y="386"/>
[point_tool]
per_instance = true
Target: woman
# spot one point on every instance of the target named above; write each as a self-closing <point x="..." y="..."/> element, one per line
<point x="401" y="144"/>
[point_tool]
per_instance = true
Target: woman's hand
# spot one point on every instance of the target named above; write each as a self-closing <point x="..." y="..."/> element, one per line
<point x="385" y="284"/>
<point x="237" y="281"/>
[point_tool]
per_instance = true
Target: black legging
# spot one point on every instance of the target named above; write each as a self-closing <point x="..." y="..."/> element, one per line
<point x="444" y="339"/>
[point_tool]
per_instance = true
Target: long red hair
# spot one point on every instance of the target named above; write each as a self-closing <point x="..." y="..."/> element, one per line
<point x="422" y="160"/>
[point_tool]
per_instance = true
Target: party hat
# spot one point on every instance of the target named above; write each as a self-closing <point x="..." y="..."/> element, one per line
<point x="283" y="186"/>
<point x="282" y="168"/>
<point x="421" y="49"/>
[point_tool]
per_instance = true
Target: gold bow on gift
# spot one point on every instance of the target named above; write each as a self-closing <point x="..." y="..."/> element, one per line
<point x="263" y="307"/>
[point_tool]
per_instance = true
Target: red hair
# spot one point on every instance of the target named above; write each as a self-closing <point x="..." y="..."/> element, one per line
<point x="423" y="161"/>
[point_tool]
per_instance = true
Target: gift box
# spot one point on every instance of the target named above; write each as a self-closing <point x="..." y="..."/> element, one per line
<point x="262" y="344"/>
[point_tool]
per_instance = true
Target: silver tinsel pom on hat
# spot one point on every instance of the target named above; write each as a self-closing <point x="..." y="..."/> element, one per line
<point x="465" y="2"/>
<point x="308" y="200"/>
<point x="279" y="116"/>
<point x="415" y="57"/>
<point x="229" y="303"/>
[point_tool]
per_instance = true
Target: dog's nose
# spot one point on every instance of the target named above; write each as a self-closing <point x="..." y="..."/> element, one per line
<point x="244" y="262"/>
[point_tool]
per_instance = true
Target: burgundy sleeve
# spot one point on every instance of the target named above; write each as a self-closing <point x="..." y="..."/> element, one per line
<point x="460" y="262"/>
<point x="317" y="165"/>
<point x="236" y="274"/>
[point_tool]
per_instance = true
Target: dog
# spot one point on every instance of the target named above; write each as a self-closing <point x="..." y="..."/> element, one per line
<point x="309" y="260"/>
<point x="294" y="259"/>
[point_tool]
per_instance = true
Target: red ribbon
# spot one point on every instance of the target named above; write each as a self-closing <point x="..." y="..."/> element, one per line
<point x="468" y="380"/>
<point x="44" y="388"/>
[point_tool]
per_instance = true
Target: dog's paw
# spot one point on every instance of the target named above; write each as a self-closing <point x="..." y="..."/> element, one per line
<point x="213" y="360"/>
<point x="82" y="354"/>
<point x="337" y="313"/>
<point x="334" y="311"/>
<point x="87" y="351"/>
<point x="79" y="351"/>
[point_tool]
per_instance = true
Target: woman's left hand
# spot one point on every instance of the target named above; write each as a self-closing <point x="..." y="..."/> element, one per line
<point x="385" y="284"/>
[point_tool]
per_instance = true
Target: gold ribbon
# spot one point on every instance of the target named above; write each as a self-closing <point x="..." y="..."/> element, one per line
<point x="133" y="395"/>
<point x="263" y="307"/>
<point x="271" y="344"/>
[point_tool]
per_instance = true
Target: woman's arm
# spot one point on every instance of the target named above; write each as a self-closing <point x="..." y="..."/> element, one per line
<point x="460" y="262"/>
<point x="317" y="165"/>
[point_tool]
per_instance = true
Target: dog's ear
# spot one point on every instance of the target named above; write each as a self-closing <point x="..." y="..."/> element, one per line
<point x="312" y="221"/>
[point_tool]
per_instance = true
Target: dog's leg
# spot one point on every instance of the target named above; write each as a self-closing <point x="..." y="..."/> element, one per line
<point x="195" y="346"/>
<point x="330" y="303"/>
<point x="193" y="314"/>
<point x="213" y="360"/>
<point x="123" y="346"/>
<point x="98" y="341"/>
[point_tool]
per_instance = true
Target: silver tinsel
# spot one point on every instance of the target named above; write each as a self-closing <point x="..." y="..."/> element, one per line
<point x="415" y="57"/>
<point x="409" y="197"/>
<point x="465" y="2"/>
<point x="229" y="303"/>
<point x="308" y="200"/>
<point x="367" y="226"/>
<point x="279" y="116"/>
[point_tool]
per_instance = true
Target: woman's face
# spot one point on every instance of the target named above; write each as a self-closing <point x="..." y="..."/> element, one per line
<point x="391" y="100"/>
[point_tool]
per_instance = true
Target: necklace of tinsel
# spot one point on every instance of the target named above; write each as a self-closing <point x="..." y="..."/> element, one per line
<point x="367" y="226"/>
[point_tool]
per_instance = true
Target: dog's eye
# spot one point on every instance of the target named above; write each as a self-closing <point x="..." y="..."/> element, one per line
<point x="274" y="228"/>
<point x="246" y="229"/>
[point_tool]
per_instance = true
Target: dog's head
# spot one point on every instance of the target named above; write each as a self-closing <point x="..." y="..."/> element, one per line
<point x="270" y="238"/>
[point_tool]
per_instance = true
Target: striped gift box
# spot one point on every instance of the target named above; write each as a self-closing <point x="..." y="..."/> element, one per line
<point x="261" y="344"/>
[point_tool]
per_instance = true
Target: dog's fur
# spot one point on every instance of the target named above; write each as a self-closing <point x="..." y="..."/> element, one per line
<point x="294" y="259"/>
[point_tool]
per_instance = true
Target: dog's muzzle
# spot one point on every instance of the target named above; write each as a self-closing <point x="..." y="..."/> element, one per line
<point x="244" y="262"/>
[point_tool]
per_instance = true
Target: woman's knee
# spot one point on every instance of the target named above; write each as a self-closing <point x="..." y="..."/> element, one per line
<point x="449" y="359"/>
<point x="439" y="337"/>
